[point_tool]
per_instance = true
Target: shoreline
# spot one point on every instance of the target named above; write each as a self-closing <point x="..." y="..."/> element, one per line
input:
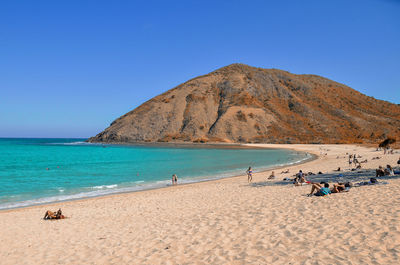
<point x="204" y="179"/>
<point x="226" y="221"/>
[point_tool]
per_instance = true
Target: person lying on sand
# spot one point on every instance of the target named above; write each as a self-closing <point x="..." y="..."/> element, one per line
<point x="287" y="171"/>
<point x="49" y="215"/>
<point x="341" y="187"/>
<point x="53" y="215"/>
<point x="372" y="181"/>
<point x="319" y="189"/>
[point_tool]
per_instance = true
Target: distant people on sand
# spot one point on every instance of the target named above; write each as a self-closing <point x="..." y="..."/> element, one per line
<point x="355" y="160"/>
<point x="387" y="150"/>
<point x="249" y="174"/>
<point x="299" y="179"/>
<point x="380" y="172"/>
<point x="372" y="181"/>
<point x="389" y="171"/>
<point x="272" y="176"/>
<point x="174" y="179"/>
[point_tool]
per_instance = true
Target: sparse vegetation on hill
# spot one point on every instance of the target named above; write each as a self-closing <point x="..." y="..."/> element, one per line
<point x="240" y="103"/>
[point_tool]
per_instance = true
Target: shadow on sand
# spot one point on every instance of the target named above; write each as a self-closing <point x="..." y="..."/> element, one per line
<point x="347" y="176"/>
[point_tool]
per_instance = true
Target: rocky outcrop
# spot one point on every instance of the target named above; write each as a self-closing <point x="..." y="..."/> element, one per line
<point x="240" y="103"/>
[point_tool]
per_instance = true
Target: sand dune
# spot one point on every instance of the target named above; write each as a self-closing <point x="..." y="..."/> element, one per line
<point x="218" y="222"/>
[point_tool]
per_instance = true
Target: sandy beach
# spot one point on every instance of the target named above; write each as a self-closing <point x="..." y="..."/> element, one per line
<point x="225" y="221"/>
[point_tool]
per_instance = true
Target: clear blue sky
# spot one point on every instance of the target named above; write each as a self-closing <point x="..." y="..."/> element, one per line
<point x="69" y="68"/>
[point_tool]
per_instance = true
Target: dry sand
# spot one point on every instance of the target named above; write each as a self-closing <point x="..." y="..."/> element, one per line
<point x="219" y="222"/>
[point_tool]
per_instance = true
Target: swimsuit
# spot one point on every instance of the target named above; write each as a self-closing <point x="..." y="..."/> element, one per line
<point x="322" y="192"/>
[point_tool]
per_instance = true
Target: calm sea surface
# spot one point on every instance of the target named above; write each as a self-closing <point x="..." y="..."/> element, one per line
<point x="34" y="171"/>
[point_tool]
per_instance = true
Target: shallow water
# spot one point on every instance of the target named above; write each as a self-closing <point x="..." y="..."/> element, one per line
<point x="34" y="171"/>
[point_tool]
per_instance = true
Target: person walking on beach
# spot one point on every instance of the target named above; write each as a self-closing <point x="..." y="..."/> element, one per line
<point x="350" y="161"/>
<point x="355" y="160"/>
<point x="249" y="175"/>
<point x="174" y="179"/>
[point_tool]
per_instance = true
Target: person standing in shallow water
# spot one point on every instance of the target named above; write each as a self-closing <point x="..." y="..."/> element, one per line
<point x="249" y="175"/>
<point x="174" y="179"/>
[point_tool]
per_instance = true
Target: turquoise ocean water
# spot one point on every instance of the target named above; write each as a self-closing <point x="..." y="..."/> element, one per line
<point x="35" y="171"/>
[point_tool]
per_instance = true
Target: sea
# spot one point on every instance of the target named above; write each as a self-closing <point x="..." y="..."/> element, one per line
<point x="37" y="171"/>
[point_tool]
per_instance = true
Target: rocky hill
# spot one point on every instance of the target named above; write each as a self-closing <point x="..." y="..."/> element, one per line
<point x="240" y="103"/>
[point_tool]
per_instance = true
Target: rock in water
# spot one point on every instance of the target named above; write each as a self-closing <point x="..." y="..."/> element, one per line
<point x="240" y="103"/>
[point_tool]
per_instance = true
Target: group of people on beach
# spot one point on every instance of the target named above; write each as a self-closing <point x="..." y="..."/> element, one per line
<point x="249" y="173"/>
<point x="387" y="150"/>
<point x="388" y="171"/>
<point x="323" y="188"/>
<point x="353" y="159"/>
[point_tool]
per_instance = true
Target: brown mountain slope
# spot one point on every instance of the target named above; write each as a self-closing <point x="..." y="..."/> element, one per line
<point x="240" y="103"/>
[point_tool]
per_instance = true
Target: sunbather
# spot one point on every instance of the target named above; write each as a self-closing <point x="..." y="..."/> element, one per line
<point x="49" y="215"/>
<point x="53" y="215"/>
<point x="340" y="187"/>
<point x="319" y="189"/>
<point x="372" y="181"/>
